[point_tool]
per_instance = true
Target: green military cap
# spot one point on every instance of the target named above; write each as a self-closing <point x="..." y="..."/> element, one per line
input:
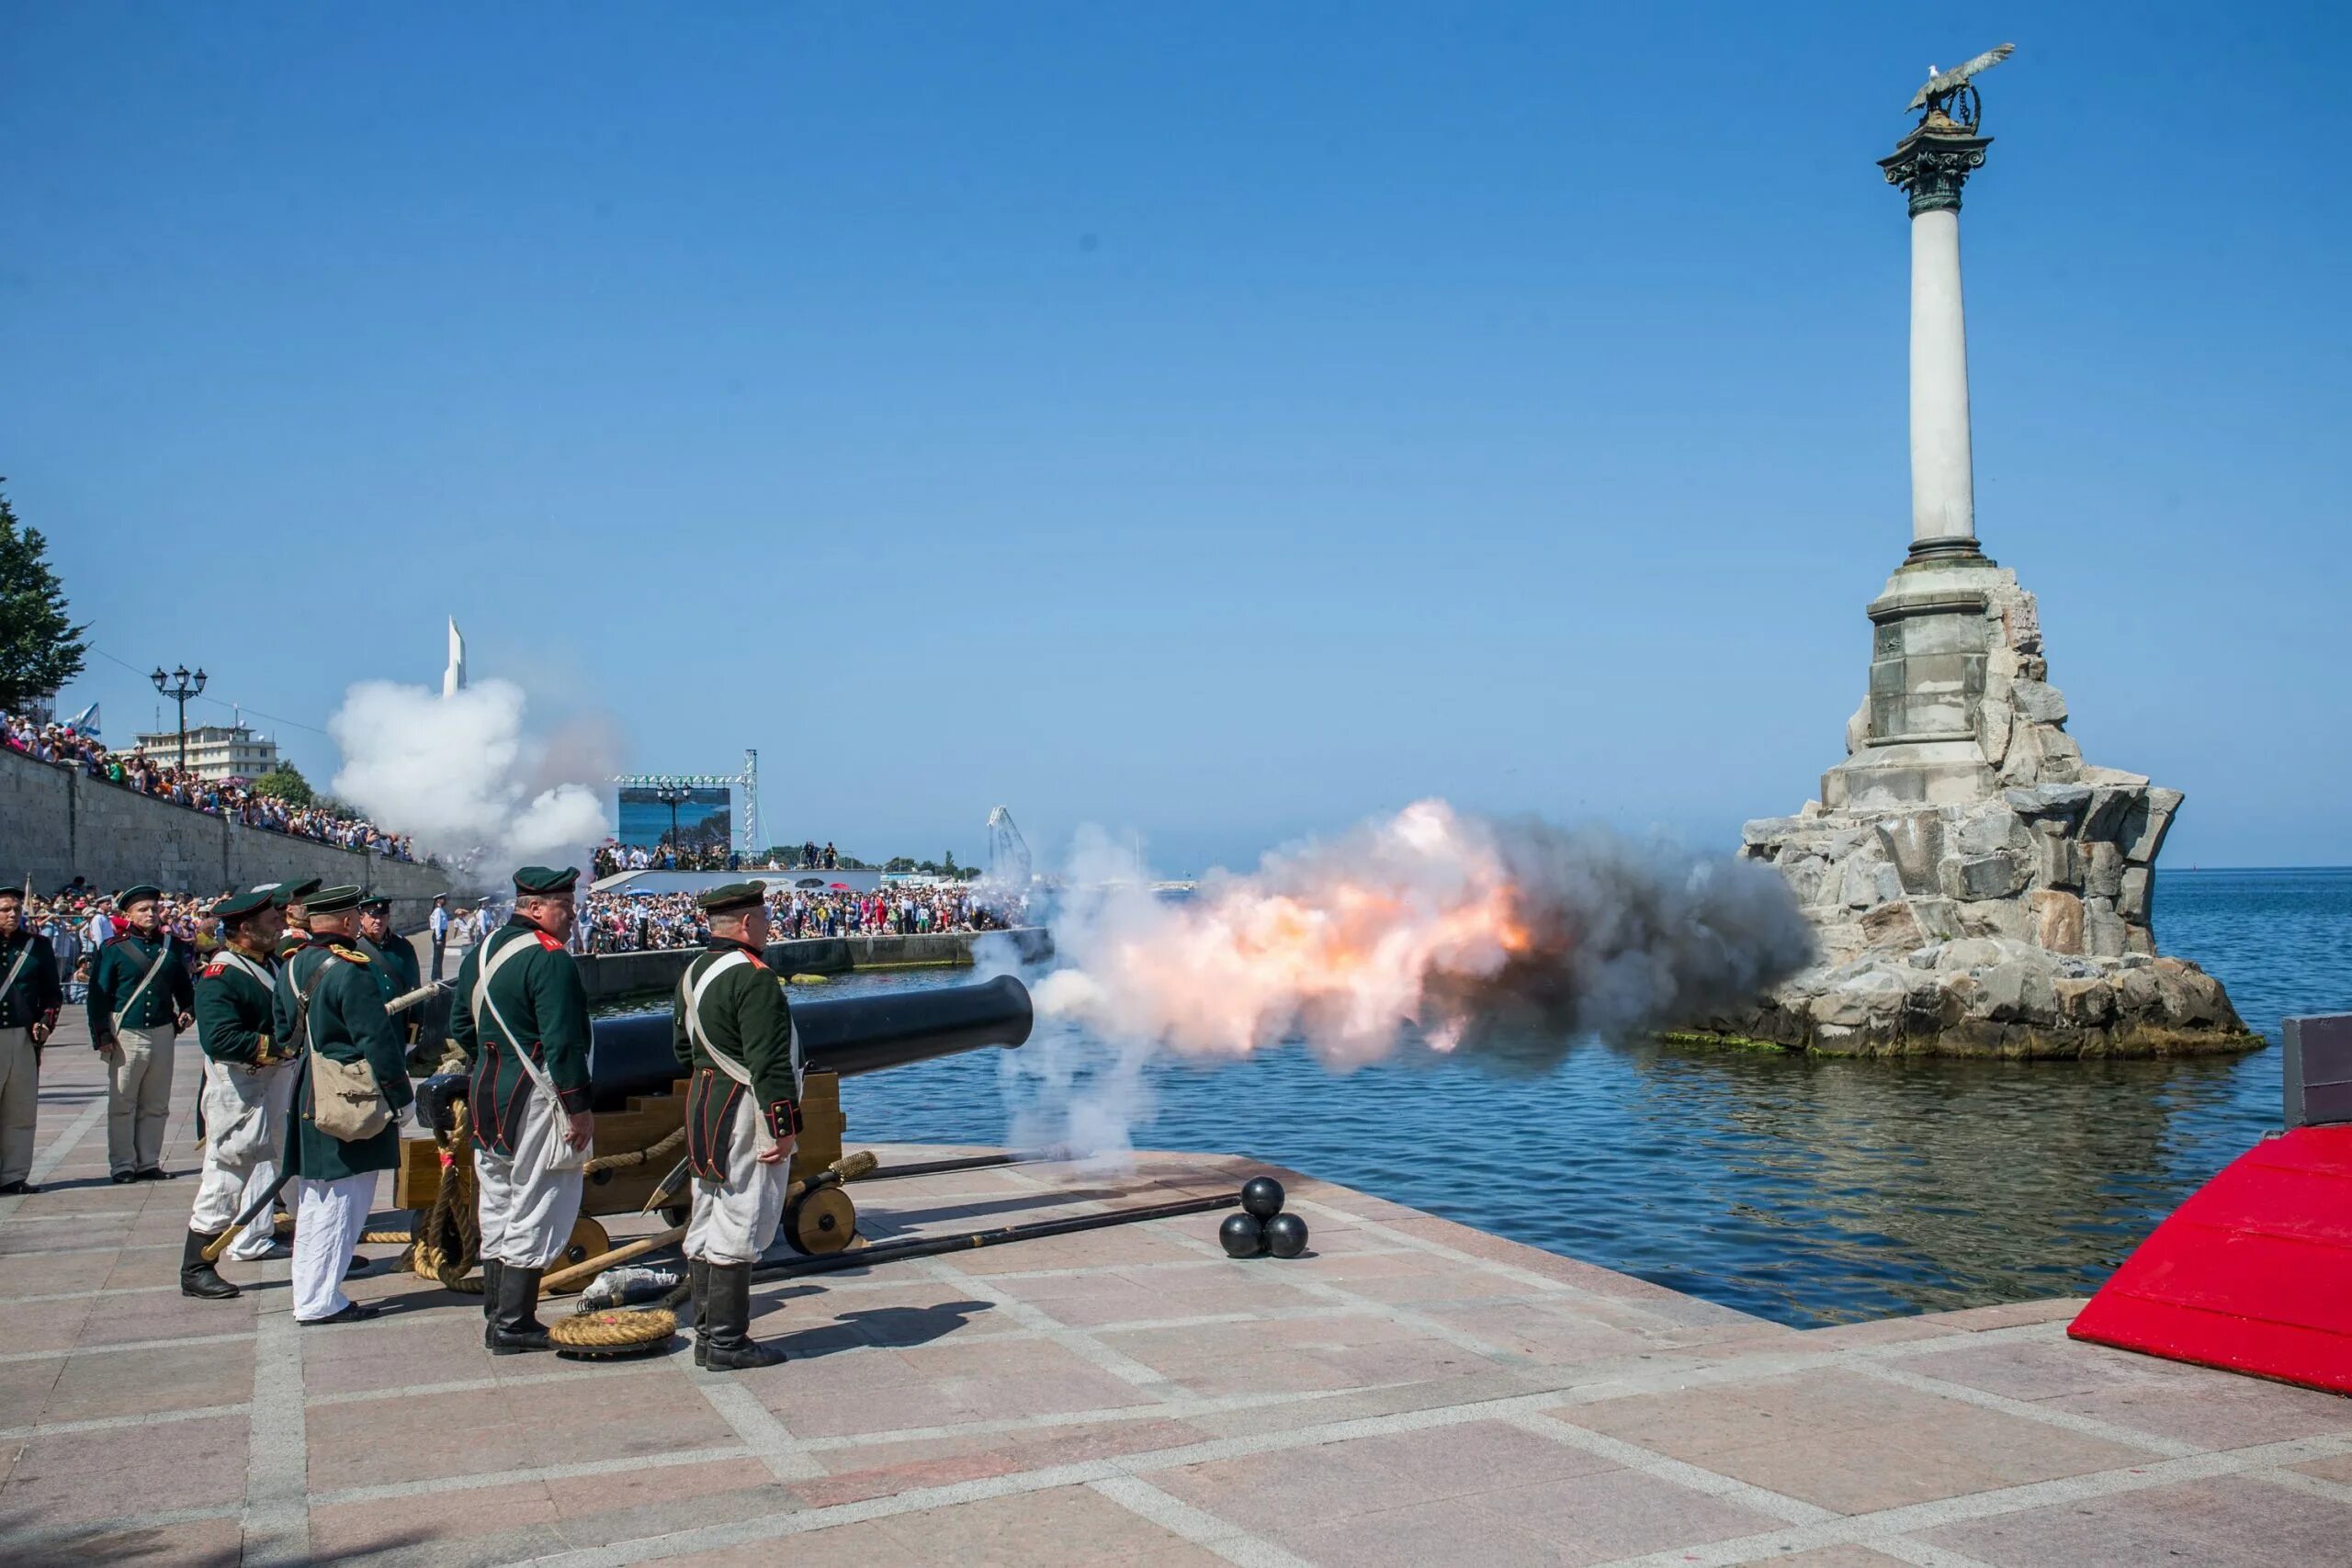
<point x="129" y="896"/>
<point x="287" y="892"/>
<point x="242" y="904"/>
<point x="546" y="881"/>
<point x="327" y="900"/>
<point x="731" y="895"/>
<point x="376" y="901"/>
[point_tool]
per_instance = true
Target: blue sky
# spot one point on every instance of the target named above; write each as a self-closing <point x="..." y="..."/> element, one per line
<point x="1219" y="421"/>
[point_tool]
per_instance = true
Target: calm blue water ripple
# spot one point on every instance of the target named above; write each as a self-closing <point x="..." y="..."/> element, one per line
<point x="1804" y="1191"/>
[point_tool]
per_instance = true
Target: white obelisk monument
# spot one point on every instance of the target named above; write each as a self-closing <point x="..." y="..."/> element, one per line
<point x="1974" y="885"/>
<point x="452" y="679"/>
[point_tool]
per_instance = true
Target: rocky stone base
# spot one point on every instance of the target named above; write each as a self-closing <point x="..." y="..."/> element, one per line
<point x="1973" y="886"/>
<point x="1994" y="997"/>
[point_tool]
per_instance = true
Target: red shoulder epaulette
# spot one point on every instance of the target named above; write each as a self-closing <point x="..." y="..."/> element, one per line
<point x="214" y="971"/>
<point x="757" y="962"/>
<point x="118" y="936"/>
<point x="549" y="943"/>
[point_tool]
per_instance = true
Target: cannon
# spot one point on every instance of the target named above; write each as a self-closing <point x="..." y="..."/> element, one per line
<point x="840" y="1036"/>
<point x="638" y="1092"/>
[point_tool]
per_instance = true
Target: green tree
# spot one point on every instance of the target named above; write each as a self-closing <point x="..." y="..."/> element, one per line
<point x="947" y="866"/>
<point x="898" y="864"/>
<point x="39" y="649"/>
<point x="287" y="784"/>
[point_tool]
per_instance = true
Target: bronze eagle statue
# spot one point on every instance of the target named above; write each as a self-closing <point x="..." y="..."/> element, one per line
<point x="1944" y="84"/>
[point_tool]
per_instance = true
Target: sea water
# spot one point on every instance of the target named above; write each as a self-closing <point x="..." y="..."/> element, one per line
<point x="1805" y="1190"/>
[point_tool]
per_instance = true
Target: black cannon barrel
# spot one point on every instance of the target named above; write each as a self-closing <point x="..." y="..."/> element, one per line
<point x="631" y="1051"/>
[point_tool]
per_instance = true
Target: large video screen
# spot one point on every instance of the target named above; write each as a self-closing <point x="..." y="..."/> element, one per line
<point x="706" y="818"/>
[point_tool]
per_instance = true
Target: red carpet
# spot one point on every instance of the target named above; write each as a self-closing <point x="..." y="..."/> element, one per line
<point x="2254" y="1273"/>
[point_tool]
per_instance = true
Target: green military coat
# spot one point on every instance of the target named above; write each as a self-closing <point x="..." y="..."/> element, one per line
<point x="236" y="1010"/>
<point x="121" y="964"/>
<point x="346" y="1022"/>
<point x="34" y="996"/>
<point x="744" y="1014"/>
<point x="537" y="993"/>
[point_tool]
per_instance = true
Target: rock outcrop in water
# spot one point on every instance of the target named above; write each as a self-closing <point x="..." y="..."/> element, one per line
<point x="1975" y="886"/>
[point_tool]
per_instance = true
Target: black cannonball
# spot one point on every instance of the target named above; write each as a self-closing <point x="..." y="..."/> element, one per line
<point x="1286" y="1235"/>
<point x="1262" y="1196"/>
<point x="1242" y="1235"/>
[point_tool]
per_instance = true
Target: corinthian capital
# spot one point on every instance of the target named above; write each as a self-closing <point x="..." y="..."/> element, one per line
<point x="1933" y="168"/>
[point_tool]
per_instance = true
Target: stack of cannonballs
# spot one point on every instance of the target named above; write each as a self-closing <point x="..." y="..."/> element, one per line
<point x="1261" y="1228"/>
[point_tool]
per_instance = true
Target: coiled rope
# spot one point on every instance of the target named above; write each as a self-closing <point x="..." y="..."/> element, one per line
<point x="446" y="1239"/>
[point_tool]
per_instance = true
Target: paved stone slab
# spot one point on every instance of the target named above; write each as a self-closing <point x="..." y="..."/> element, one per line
<point x="1410" y="1391"/>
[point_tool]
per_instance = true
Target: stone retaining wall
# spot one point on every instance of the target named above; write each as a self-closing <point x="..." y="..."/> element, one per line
<point x="57" y="823"/>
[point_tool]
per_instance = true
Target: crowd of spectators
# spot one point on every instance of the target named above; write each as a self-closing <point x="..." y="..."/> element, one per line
<point x="62" y="745"/>
<point x="615" y="858"/>
<point x="642" y="922"/>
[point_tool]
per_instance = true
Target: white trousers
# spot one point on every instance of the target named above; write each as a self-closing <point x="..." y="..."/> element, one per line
<point x="527" y="1205"/>
<point x="327" y="1226"/>
<point x="734" y="1223"/>
<point x="139" y="1097"/>
<point x="20" y="1102"/>
<point x="244" y="1122"/>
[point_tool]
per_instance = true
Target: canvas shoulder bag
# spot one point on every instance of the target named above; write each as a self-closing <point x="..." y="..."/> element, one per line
<point x="345" y="1102"/>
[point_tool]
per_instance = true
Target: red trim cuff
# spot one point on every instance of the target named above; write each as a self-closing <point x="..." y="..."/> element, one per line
<point x="784" y="1119"/>
<point x="574" y="1101"/>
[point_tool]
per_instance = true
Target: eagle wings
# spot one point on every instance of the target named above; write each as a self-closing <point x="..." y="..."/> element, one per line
<point x="1945" y="82"/>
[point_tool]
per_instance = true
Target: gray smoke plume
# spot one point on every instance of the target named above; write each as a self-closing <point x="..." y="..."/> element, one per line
<point x="1627" y="938"/>
<point x="1508" y="942"/>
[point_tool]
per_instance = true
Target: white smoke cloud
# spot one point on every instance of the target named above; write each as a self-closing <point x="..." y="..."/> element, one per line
<point x="1509" y="941"/>
<point x="461" y="777"/>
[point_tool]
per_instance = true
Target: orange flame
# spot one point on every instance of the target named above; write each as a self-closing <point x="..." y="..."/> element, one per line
<point x="1343" y="944"/>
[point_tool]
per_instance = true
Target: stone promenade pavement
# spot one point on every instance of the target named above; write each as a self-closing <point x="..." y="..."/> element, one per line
<point x="1411" y="1393"/>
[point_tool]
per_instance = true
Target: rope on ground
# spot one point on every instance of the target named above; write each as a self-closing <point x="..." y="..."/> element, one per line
<point x="447" y="1237"/>
<point x="662" y="1150"/>
<point x="609" y="1331"/>
<point x="385" y="1238"/>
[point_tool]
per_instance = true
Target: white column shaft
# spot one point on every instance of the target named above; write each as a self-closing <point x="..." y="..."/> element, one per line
<point x="1943" y="485"/>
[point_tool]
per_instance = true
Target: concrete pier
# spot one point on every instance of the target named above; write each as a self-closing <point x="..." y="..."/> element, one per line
<point x="1413" y="1391"/>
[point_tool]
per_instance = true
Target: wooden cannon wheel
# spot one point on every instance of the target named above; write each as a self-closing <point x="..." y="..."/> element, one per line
<point x="824" y="1222"/>
<point x="587" y="1240"/>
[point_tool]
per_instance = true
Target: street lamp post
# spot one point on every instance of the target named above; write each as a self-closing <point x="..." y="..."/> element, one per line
<point x="179" y="691"/>
<point x="673" y="796"/>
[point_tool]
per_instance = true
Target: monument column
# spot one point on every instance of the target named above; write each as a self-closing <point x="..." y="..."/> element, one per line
<point x="1931" y="164"/>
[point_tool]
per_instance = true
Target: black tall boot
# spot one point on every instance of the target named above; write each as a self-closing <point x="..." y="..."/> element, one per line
<point x="699" y="1300"/>
<point x="490" y="1269"/>
<point x="728" y="1347"/>
<point x="517" y="1328"/>
<point x="198" y="1278"/>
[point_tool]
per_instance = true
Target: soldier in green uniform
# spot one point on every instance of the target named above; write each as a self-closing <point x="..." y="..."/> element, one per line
<point x="30" y="999"/>
<point x="327" y="1003"/>
<point x="730" y="1025"/>
<point x="141" y="998"/>
<point x="289" y="898"/>
<point x="246" y="1081"/>
<point x="520" y="1014"/>
<point x="392" y="960"/>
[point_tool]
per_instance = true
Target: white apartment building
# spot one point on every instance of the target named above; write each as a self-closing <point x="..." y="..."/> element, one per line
<point x="216" y="751"/>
